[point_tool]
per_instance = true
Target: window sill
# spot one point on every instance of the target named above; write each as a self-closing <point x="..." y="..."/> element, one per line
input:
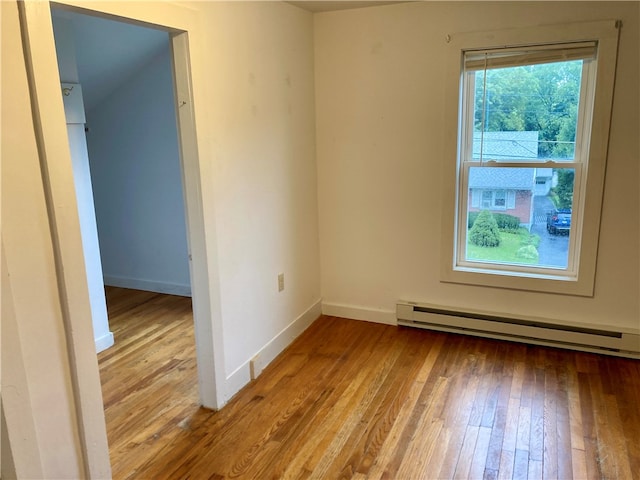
<point x="518" y="280"/>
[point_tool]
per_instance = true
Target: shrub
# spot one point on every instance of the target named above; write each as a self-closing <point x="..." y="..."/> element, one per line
<point x="507" y="222"/>
<point x="471" y="218"/>
<point x="528" y="252"/>
<point x="485" y="232"/>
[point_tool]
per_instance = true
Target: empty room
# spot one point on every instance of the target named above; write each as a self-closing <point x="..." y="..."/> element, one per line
<point x="412" y="233"/>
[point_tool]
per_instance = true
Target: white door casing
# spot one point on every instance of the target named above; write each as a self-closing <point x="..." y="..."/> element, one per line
<point x="183" y="26"/>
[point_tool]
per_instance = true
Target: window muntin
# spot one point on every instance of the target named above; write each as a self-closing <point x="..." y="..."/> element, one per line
<point x="523" y="121"/>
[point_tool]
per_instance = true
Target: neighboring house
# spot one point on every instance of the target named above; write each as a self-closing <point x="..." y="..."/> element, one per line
<point x="546" y="179"/>
<point x="505" y="190"/>
<point x="510" y="189"/>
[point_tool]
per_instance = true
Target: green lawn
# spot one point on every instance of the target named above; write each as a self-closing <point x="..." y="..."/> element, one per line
<point x="507" y="252"/>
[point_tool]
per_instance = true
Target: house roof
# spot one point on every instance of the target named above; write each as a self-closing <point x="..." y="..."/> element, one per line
<point x="505" y="145"/>
<point x="510" y="178"/>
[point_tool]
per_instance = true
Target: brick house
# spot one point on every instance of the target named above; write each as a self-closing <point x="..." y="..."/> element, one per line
<point x="503" y="190"/>
<point x="507" y="190"/>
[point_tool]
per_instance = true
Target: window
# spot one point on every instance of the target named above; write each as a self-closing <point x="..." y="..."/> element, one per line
<point x="492" y="199"/>
<point x="529" y="163"/>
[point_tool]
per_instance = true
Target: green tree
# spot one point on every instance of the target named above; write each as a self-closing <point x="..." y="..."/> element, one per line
<point x="564" y="189"/>
<point x="485" y="232"/>
<point x="540" y="98"/>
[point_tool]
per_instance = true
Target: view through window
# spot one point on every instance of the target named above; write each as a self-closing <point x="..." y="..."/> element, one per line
<point x="523" y="155"/>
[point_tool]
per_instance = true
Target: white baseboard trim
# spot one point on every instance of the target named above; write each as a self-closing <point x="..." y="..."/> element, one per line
<point x="234" y="382"/>
<point x="281" y="341"/>
<point x="148" y="285"/>
<point x="253" y="367"/>
<point x="104" y="342"/>
<point x="353" y="312"/>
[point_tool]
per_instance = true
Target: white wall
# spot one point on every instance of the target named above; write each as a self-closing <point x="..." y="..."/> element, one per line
<point x="74" y="110"/>
<point x="260" y="161"/>
<point x="137" y="182"/>
<point x="380" y="115"/>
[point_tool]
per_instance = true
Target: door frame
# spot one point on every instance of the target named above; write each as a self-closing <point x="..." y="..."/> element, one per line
<point x="187" y="50"/>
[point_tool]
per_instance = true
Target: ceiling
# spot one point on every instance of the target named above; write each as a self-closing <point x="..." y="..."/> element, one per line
<point x="108" y="52"/>
<point x="318" y="6"/>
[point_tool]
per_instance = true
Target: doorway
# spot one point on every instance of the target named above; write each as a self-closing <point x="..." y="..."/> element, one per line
<point x="181" y="24"/>
<point x="125" y="153"/>
<point x="120" y="109"/>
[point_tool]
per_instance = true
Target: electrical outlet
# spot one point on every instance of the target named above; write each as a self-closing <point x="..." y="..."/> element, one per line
<point x="280" y="282"/>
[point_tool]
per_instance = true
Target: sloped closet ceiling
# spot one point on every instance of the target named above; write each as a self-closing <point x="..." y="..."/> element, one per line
<point x="123" y="50"/>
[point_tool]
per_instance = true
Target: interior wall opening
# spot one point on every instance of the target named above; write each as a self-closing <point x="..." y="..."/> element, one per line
<point x="128" y="179"/>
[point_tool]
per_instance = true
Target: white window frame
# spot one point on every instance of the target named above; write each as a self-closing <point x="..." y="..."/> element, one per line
<point x="589" y="165"/>
<point x="466" y="161"/>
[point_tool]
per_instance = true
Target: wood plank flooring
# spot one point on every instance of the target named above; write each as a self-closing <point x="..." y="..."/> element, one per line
<point x="351" y="399"/>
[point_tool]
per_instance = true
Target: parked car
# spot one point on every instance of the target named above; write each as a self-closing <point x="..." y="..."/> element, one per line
<point x="559" y="221"/>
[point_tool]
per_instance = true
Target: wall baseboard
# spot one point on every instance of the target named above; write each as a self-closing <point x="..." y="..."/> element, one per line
<point x="148" y="285"/>
<point x="104" y="342"/>
<point x="253" y="367"/>
<point x="353" y="312"/>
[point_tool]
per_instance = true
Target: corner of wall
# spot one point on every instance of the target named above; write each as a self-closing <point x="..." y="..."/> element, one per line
<point x="104" y="342"/>
<point x="354" y="312"/>
<point x="252" y="368"/>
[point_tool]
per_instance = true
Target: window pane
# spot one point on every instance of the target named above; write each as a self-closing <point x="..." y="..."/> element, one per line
<point x="486" y="198"/>
<point x="532" y="228"/>
<point x="527" y="112"/>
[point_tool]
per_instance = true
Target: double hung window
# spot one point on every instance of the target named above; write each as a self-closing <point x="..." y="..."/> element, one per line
<point x="529" y="162"/>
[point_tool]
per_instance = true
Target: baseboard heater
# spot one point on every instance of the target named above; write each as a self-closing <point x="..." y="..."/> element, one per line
<point x="519" y="329"/>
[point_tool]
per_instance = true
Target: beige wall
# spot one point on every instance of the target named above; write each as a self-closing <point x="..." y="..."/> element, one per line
<point x="379" y="90"/>
<point x="37" y="399"/>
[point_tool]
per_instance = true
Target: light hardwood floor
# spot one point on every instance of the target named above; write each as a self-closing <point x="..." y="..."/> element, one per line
<point x="350" y="399"/>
